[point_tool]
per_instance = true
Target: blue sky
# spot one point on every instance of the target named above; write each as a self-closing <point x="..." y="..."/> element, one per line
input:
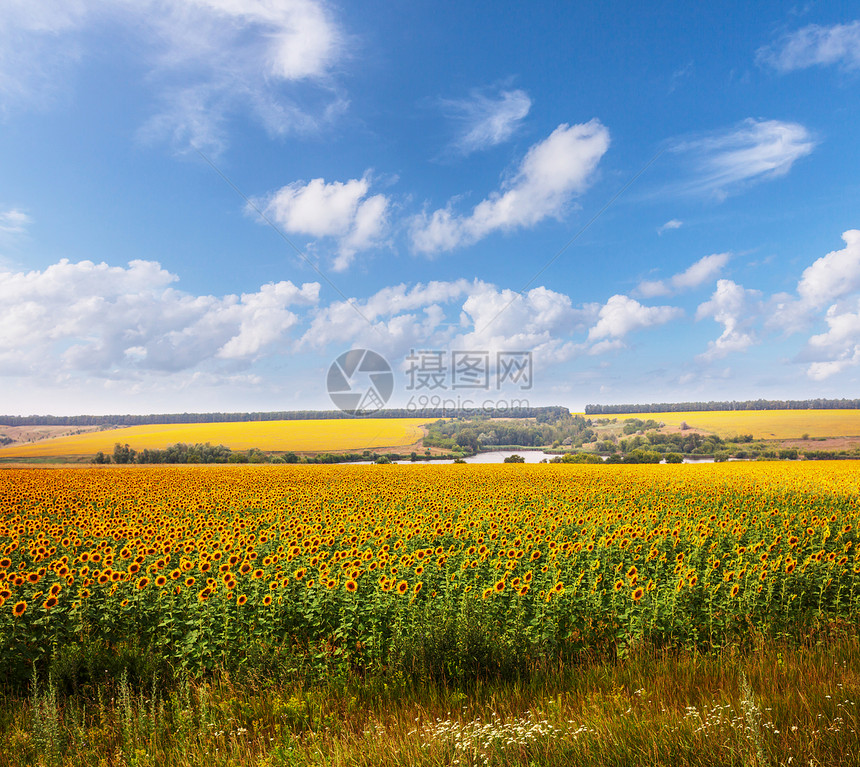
<point x="204" y="202"/>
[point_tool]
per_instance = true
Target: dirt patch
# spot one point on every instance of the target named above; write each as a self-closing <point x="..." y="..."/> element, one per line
<point x="669" y="429"/>
<point x="24" y="434"/>
<point x="829" y="443"/>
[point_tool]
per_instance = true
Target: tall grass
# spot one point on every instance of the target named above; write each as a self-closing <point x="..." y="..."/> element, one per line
<point x="779" y="704"/>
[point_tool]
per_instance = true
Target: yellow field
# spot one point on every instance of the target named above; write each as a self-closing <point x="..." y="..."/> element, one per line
<point x="762" y="424"/>
<point x="300" y="436"/>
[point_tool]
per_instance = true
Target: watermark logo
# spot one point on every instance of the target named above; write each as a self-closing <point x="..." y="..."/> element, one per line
<point x="360" y="382"/>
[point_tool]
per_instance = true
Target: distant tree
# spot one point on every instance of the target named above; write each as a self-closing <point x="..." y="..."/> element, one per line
<point x="123" y="454"/>
<point x="514" y="459"/>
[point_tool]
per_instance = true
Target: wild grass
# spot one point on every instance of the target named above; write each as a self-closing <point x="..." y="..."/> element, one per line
<point x="782" y="703"/>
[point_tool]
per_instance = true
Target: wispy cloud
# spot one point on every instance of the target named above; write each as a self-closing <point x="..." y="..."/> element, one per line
<point x="813" y="46"/>
<point x="669" y="225"/>
<point x="14" y="222"/>
<point x="553" y="172"/>
<point x="205" y="59"/>
<point x="754" y="151"/>
<point x="704" y="270"/>
<point x="486" y="120"/>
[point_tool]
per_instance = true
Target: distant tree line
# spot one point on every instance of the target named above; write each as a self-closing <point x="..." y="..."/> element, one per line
<point x="757" y="404"/>
<point x="277" y="415"/>
<point x="207" y="453"/>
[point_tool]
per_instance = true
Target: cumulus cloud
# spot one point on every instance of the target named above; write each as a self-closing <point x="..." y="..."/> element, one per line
<point x="737" y="310"/>
<point x="341" y="211"/>
<point x="834" y="275"/>
<point x="839" y="345"/>
<point x="815" y="45"/>
<point x="553" y="172"/>
<point x="621" y="315"/>
<point x="206" y="58"/>
<point x="115" y="321"/>
<point x="395" y="317"/>
<point x="754" y="151"/>
<point x="832" y="281"/>
<point x="475" y="315"/>
<point x="704" y="270"/>
<point x="828" y="279"/>
<point x="486" y="121"/>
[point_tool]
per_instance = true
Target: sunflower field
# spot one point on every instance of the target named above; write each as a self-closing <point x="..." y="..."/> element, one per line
<point x="440" y="570"/>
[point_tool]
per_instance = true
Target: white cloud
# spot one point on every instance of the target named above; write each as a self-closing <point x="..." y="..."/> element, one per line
<point x="621" y="315"/>
<point x="550" y="175"/>
<point x="840" y="345"/>
<point x="206" y="58"/>
<point x="815" y="46"/>
<point x="833" y="275"/>
<point x="826" y="280"/>
<point x="463" y="315"/>
<point x="669" y="225"/>
<point x="338" y="210"/>
<point x="486" y="120"/>
<point x="756" y="150"/>
<point x="540" y="320"/>
<point x="704" y="270"/>
<point x="737" y="310"/>
<point x="114" y="322"/>
<point x="394" y="317"/>
<point x="14" y="221"/>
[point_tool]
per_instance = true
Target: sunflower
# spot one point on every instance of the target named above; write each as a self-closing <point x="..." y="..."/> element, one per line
<point x="267" y="600"/>
<point x="142" y="583"/>
<point x="160" y="581"/>
<point x="257" y="573"/>
<point x="19" y="608"/>
<point x="351" y="585"/>
<point x="189" y="581"/>
<point x="50" y="602"/>
<point x="402" y="587"/>
<point x="487" y="592"/>
<point x="735" y="590"/>
<point x="638" y="594"/>
<point x="242" y="599"/>
<point x="499" y="586"/>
